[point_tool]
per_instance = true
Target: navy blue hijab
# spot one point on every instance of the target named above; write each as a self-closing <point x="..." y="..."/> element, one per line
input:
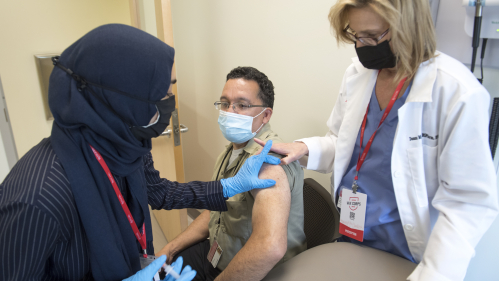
<point x="129" y="60"/>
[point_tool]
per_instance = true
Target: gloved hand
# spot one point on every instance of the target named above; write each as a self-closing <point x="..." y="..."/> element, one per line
<point x="148" y="273"/>
<point x="187" y="274"/>
<point x="247" y="177"/>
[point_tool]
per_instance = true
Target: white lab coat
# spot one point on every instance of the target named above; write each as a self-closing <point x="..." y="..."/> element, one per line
<point x="442" y="170"/>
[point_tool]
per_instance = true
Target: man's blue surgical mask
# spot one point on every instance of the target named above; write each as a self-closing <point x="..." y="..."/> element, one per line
<point x="237" y="128"/>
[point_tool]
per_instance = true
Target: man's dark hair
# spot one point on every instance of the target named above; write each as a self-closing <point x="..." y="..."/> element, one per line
<point x="266" y="93"/>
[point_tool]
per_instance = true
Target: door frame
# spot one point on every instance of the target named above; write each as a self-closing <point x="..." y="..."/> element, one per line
<point x="172" y="222"/>
<point x="6" y="131"/>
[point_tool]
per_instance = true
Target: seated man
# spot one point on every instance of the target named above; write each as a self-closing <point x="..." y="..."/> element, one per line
<point x="263" y="227"/>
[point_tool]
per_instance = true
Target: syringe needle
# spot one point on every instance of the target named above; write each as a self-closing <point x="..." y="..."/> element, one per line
<point x="169" y="270"/>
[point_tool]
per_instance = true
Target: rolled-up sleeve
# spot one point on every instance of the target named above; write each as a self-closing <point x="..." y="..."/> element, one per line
<point x="165" y="194"/>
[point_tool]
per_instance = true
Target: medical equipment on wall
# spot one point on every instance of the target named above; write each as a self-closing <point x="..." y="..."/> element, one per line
<point x="489" y="12"/>
<point x="476" y="17"/>
<point x="454" y="28"/>
<point x="494" y="126"/>
<point x="482" y="21"/>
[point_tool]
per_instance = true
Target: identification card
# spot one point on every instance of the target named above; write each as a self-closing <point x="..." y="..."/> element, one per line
<point x="214" y="254"/>
<point x="353" y="214"/>
<point x="144" y="262"/>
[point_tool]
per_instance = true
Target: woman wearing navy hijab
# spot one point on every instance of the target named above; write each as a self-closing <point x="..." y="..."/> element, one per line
<point x="75" y="206"/>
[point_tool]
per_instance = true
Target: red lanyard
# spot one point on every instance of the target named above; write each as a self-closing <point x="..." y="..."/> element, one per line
<point x="362" y="156"/>
<point x="140" y="238"/>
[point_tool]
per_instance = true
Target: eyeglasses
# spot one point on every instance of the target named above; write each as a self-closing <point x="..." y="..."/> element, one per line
<point x="369" y="41"/>
<point x="237" y="106"/>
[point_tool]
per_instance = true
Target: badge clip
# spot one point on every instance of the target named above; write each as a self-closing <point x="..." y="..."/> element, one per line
<point x="355" y="186"/>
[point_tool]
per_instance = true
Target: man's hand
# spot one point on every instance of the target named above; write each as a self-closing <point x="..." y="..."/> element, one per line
<point x="293" y="151"/>
<point x="247" y="177"/>
<point x="168" y="251"/>
<point x="196" y="232"/>
<point x="147" y="273"/>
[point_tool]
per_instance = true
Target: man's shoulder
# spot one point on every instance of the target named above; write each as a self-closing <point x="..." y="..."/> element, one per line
<point x="293" y="171"/>
<point x="268" y="134"/>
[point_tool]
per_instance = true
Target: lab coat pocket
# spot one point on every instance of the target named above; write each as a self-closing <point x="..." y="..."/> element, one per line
<point x="416" y="162"/>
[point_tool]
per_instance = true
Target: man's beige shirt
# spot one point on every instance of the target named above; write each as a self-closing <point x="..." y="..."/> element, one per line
<point x="231" y="229"/>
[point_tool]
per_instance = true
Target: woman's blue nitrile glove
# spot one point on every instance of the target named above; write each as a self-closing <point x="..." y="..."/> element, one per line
<point x="247" y="177"/>
<point x="187" y="274"/>
<point x="148" y="272"/>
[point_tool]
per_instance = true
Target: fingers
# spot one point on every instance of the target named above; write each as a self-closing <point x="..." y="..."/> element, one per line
<point x="267" y="147"/>
<point x="187" y="274"/>
<point x="151" y="269"/>
<point x="166" y="251"/>
<point x="169" y="259"/>
<point x="266" y="183"/>
<point x="187" y="268"/>
<point x="259" y="141"/>
<point x="272" y="160"/>
<point x="286" y="160"/>
<point x="177" y="265"/>
<point x="158" y="262"/>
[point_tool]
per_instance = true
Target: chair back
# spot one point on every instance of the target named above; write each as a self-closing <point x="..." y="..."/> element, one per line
<point x="320" y="215"/>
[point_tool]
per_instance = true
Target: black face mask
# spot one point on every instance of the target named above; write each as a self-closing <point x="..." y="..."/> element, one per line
<point x="377" y="57"/>
<point x="165" y="109"/>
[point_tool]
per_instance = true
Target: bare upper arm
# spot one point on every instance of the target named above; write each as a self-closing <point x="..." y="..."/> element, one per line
<point x="272" y="205"/>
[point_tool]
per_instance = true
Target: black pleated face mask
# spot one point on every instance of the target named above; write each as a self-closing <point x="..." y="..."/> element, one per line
<point x="165" y="109"/>
<point x="377" y="57"/>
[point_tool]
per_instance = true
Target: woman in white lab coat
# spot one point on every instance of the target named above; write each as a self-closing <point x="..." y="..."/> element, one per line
<point x="428" y="175"/>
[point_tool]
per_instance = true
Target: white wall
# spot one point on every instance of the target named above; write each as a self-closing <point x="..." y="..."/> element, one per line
<point x="290" y="41"/>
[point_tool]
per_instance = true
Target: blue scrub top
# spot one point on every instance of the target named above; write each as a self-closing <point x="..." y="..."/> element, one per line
<point x="383" y="228"/>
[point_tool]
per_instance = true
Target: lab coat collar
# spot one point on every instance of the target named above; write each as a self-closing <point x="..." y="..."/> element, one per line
<point x="422" y="85"/>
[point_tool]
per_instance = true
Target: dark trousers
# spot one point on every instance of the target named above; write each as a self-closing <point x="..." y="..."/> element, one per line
<point x="196" y="257"/>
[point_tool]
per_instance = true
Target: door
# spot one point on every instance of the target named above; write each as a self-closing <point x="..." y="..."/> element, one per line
<point x="166" y="149"/>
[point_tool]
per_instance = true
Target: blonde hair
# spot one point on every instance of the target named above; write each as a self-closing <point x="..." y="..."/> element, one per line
<point x="411" y="26"/>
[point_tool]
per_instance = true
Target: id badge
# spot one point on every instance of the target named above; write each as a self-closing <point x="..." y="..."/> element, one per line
<point x="215" y="254"/>
<point x="353" y="214"/>
<point x="144" y="262"/>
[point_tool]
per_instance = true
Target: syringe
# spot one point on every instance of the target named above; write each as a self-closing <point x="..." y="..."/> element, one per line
<point x="169" y="270"/>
